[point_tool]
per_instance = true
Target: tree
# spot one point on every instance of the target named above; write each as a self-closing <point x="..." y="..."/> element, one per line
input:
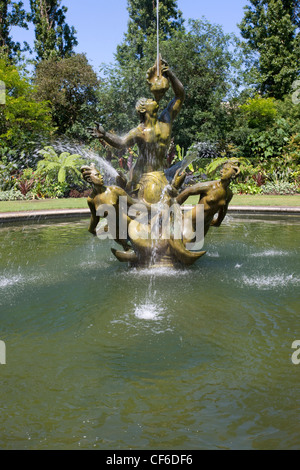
<point x="53" y="36"/>
<point x="124" y="82"/>
<point x="142" y="25"/>
<point x="259" y="112"/>
<point x="24" y="120"/>
<point x="70" y="86"/>
<point x="271" y="29"/>
<point x="205" y="61"/>
<point x="11" y="14"/>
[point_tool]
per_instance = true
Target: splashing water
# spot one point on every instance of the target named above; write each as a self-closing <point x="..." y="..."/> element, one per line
<point x="9" y="281"/>
<point x="108" y="171"/>
<point x="271" y="281"/>
<point x="270" y="252"/>
<point x="198" y="150"/>
<point x="151" y="308"/>
<point x="148" y="311"/>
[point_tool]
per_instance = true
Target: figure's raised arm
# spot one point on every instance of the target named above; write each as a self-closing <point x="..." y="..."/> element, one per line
<point x="113" y="139"/>
<point x="175" y="105"/>
<point x="195" y="190"/>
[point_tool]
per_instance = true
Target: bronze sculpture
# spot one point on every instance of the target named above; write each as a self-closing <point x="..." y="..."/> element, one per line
<point x="153" y="134"/>
<point x="214" y="195"/>
<point x="148" y="186"/>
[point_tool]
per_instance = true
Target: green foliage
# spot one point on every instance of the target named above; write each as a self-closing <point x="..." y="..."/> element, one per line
<point x="204" y="59"/>
<point x="44" y="189"/>
<point x="11" y="195"/>
<point x="260" y="131"/>
<point x="54" y="38"/>
<point x="23" y="119"/>
<point x="197" y="156"/>
<point x="212" y="169"/>
<point x="142" y="26"/>
<point x="290" y="112"/>
<point x="130" y="156"/>
<point x="280" y="187"/>
<point x="9" y="154"/>
<point x="214" y="166"/>
<point x="11" y="14"/>
<point x="59" y="167"/>
<point x="246" y="188"/>
<point x="25" y="181"/>
<point x="179" y="154"/>
<point x="269" y="143"/>
<point x="260" y="112"/>
<point x="270" y="28"/>
<point x="292" y="151"/>
<point x="70" y="85"/>
<point x="7" y="170"/>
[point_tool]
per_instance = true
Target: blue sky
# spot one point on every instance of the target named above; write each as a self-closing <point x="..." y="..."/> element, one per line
<point x="101" y="24"/>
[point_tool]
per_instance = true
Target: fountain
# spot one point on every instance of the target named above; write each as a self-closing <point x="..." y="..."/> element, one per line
<point x="145" y="206"/>
<point x="112" y="358"/>
<point x="143" y="211"/>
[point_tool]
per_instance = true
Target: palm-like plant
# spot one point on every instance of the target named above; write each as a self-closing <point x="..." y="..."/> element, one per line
<point x="59" y="166"/>
<point x="215" y="165"/>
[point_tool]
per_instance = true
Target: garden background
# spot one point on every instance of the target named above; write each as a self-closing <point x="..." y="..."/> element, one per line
<point x="242" y="97"/>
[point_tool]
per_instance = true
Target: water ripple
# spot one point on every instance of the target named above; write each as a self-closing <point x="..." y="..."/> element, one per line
<point x="266" y="282"/>
<point x="271" y="252"/>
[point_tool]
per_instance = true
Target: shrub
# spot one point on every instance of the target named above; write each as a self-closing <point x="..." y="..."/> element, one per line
<point x="35" y="186"/>
<point x="45" y="188"/>
<point x="25" y="181"/>
<point x="260" y="112"/>
<point x="280" y="188"/>
<point x="77" y="194"/>
<point x="23" y="120"/>
<point x="214" y="167"/>
<point x="70" y="85"/>
<point x="60" y="167"/>
<point x="246" y="188"/>
<point x="7" y="172"/>
<point x="12" y="195"/>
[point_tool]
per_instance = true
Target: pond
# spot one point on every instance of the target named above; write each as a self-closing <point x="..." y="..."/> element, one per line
<point x="101" y="356"/>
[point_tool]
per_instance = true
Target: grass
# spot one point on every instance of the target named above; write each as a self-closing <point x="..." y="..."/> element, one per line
<point x="258" y="200"/>
<point x="43" y="204"/>
<point x="80" y="203"/>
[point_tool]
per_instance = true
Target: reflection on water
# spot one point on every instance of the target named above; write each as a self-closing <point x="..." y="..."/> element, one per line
<point x="106" y="357"/>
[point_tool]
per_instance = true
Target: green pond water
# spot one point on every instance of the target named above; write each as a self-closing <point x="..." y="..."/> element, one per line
<point x="100" y="356"/>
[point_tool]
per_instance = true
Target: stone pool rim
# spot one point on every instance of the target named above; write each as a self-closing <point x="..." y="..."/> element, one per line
<point x="47" y="214"/>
